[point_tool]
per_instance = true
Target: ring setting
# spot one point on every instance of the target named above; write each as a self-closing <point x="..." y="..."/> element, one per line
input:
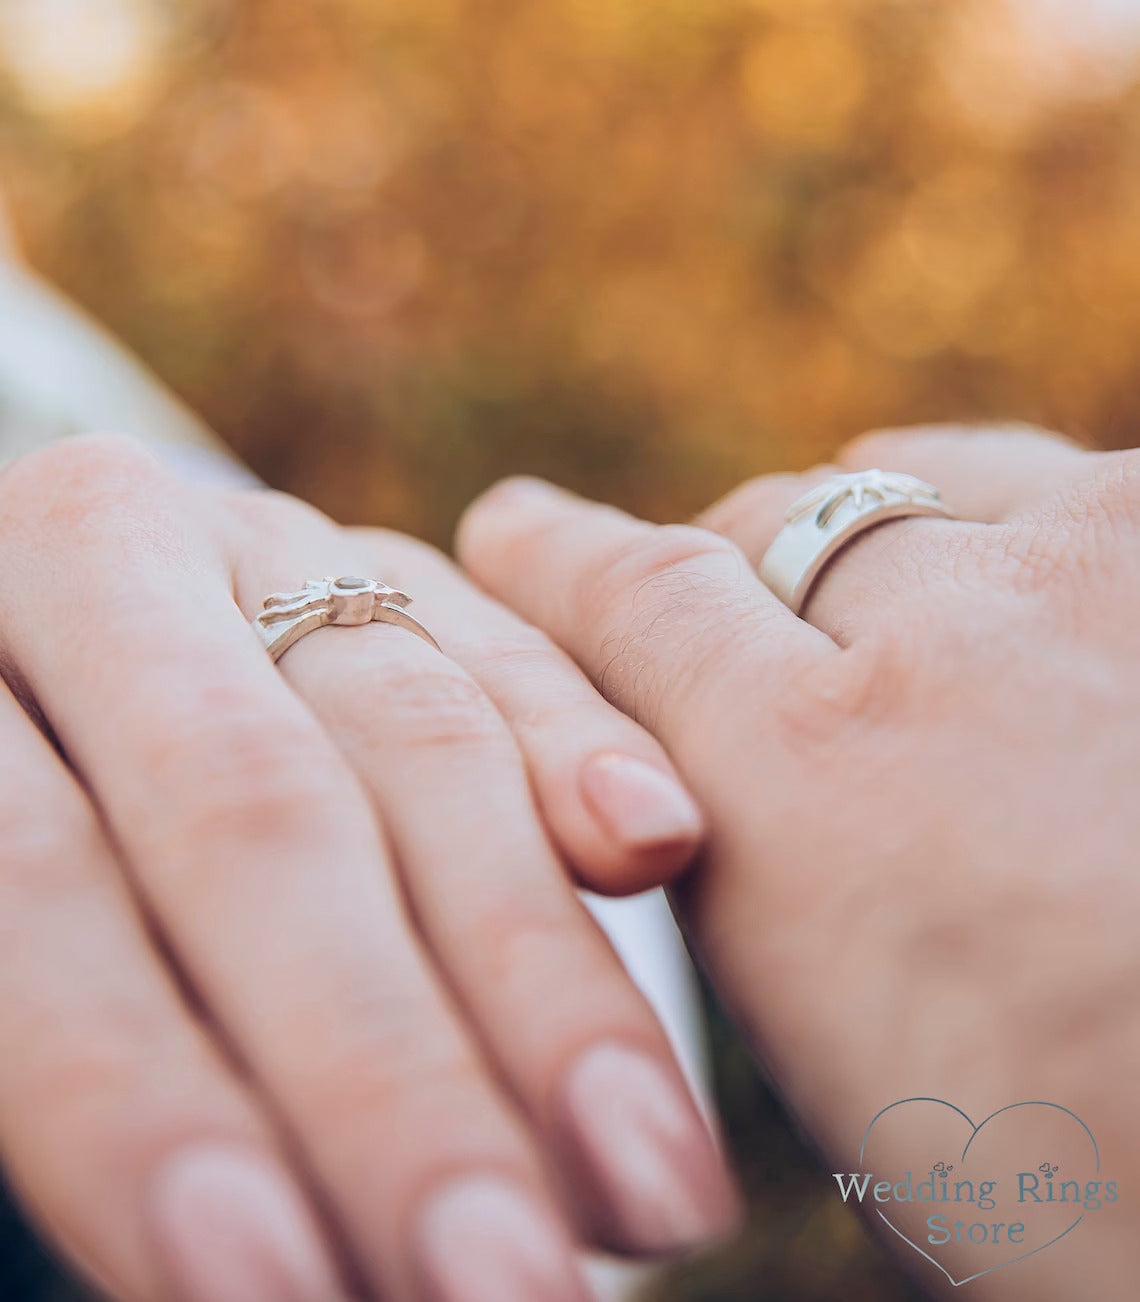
<point x="348" y="602"/>
<point x="830" y="515"/>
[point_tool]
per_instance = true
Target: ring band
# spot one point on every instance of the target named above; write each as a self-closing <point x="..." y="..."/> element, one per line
<point x="287" y="616"/>
<point x="825" y="519"/>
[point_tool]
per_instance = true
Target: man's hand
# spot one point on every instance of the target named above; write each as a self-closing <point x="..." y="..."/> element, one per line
<point x="922" y="875"/>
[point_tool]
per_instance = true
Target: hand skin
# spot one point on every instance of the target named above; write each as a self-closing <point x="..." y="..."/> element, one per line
<point x="922" y="874"/>
<point x="297" y="997"/>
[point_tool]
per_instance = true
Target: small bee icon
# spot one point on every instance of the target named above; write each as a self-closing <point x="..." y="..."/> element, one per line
<point x="1046" y="1169"/>
<point x="943" y="1169"/>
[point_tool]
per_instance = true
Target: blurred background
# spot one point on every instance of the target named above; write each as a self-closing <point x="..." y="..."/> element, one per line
<point x="392" y="249"/>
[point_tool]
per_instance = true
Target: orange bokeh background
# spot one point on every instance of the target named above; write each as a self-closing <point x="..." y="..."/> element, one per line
<point x="394" y="248"/>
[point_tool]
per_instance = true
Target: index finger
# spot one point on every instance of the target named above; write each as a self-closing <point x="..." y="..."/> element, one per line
<point x="670" y="621"/>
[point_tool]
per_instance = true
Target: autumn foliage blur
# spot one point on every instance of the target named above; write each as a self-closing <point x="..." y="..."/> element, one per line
<point x="394" y="248"/>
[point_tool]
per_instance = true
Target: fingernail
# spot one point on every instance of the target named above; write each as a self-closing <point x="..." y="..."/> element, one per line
<point x="651" y="1154"/>
<point x="638" y="804"/>
<point x="228" y="1227"/>
<point x="483" y="1239"/>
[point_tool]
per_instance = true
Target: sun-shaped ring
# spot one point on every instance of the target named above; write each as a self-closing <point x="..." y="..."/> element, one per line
<point x="286" y="617"/>
<point x="827" y="517"/>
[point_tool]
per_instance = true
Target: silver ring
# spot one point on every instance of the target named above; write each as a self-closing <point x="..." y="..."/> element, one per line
<point x="823" y="520"/>
<point x="287" y="616"/>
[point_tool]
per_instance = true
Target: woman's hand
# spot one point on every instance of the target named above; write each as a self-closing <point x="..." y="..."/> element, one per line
<point x="290" y="959"/>
<point x="922" y="876"/>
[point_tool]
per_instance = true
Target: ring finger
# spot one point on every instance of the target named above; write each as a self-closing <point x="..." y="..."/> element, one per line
<point x="574" y="1038"/>
<point x="985" y="476"/>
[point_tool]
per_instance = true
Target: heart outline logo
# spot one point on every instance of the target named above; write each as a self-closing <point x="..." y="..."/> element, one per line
<point x="975" y="1129"/>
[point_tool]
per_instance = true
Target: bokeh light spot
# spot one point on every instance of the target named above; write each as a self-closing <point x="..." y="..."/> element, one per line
<point x="91" y="64"/>
<point x="803" y="83"/>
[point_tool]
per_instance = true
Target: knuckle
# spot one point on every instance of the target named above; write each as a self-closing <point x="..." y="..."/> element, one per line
<point x="401" y="550"/>
<point x="863" y="687"/>
<point x="515" y="938"/>
<point x="1034" y="558"/>
<point x="228" y="773"/>
<point x="256" y="787"/>
<point x="441" y="708"/>
<point x="881" y="446"/>
<point x="85" y="477"/>
<point x="764" y="496"/>
<point x="631" y="596"/>
<point x="256" y="791"/>
<point x="523" y="654"/>
<point x="673" y="556"/>
<point x="261" y="521"/>
<point x="548" y="690"/>
<point x="526" y="945"/>
<point x="528" y="660"/>
<point x="68" y="1075"/>
<point x="377" y="1057"/>
<point x="1067" y="546"/>
<point x="913" y="559"/>
<point x="47" y="850"/>
<point x="920" y="449"/>
<point x="1109" y="498"/>
<point x="269" y="509"/>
